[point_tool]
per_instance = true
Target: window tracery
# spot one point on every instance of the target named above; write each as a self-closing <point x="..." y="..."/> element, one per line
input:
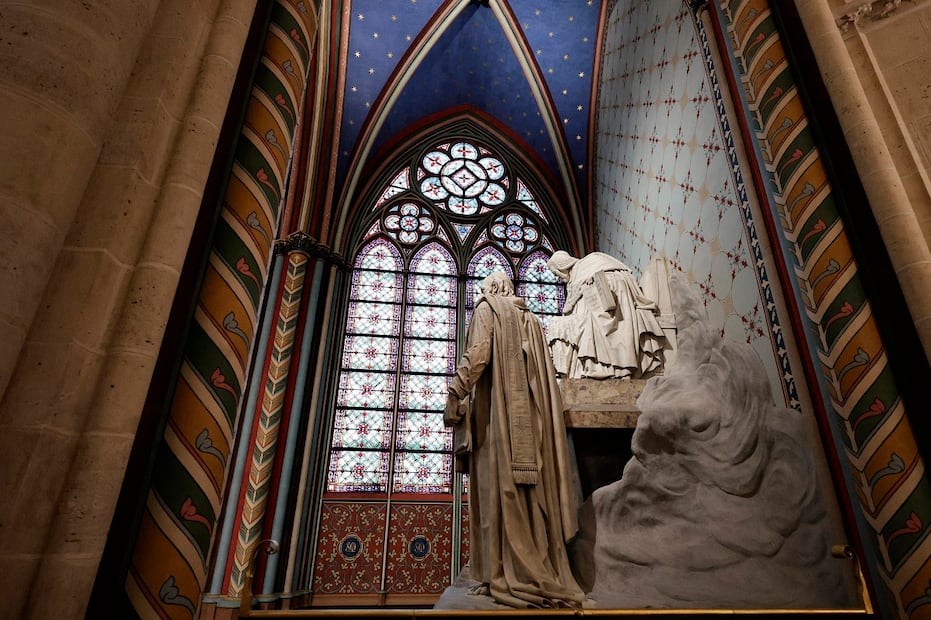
<point x="447" y="218"/>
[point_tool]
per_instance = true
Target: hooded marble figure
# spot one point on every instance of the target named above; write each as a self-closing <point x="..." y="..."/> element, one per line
<point x="609" y="328"/>
<point x="506" y="406"/>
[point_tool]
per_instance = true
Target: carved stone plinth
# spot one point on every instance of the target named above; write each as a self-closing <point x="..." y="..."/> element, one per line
<point x="601" y="403"/>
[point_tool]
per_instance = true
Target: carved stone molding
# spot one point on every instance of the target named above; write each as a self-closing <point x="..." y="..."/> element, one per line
<point x="697" y="6"/>
<point x="302" y="242"/>
<point x="872" y="10"/>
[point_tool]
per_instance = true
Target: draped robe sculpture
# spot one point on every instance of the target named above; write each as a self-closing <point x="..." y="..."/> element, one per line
<point x="609" y="327"/>
<point x="521" y="506"/>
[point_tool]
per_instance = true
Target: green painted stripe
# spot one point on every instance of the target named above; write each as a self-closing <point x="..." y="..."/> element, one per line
<point x="286" y="22"/>
<point x="205" y="357"/>
<point x="230" y="248"/>
<point x="174" y="485"/>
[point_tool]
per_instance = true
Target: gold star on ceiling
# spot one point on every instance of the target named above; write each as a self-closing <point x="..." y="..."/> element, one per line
<point x="375" y="35"/>
<point x="371" y="70"/>
<point x="579" y="108"/>
<point x="361" y="17"/>
<point x="358" y="54"/>
<point x="390" y="54"/>
<point x="565" y="91"/>
<point x="565" y="56"/>
<point x="394" y="18"/>
<point x="354" y="89"/>
<point x="571" y="19"/>
<point x="581" y="74"/>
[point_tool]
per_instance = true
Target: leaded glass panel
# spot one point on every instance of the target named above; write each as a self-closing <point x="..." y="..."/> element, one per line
<point x="374" y="318"/>
<point x="366" y="389"/>
<point x="362" y="428"/>
<point x="434" y="356"/>
<point x="430" y="322"/>
<point x="379" y="254"/>
<point x="364" y="352"/>
<point x="423" y="430"/>
<point x="434" y="259"/>
<point x="358" y="471"/>
<point x="422" y="472"/>
<point x="486" y="261"/>
<point x="525" y="197"/>
<point x="400" y="183"/>
<point x="383" y="286"/>
<point x="431" y="289"/>
<point x="425" y="392"/>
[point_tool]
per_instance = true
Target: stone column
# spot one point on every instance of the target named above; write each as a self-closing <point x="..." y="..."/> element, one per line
<point x="70" y="414"/>
<point x="894" y="212"/>
<point x="63" y="70"/>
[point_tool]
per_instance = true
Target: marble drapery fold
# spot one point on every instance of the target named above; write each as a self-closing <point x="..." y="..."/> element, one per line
<point x="609" y="328"/>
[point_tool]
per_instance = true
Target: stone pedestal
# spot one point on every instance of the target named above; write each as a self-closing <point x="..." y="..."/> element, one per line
<point x="600" y="417"/>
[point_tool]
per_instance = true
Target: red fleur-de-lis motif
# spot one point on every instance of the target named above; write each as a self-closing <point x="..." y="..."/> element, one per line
<point x="845" y="311"/>
<point x="219" y="381"/>
<point x="188" y="512"/>
<point x="913" y="525"/>
<point x="243" y="267"/>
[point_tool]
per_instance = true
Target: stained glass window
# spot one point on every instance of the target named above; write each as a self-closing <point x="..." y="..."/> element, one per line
<point x="440" y="222"/>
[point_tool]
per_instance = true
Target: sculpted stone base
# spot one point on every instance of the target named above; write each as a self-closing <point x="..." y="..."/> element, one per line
<point x="600" y="417"/>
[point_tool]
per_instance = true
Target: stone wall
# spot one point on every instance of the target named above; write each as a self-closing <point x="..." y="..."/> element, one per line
<point x="108" y="125"/>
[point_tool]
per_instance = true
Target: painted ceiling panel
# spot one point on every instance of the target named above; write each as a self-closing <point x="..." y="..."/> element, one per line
<point x="474" y="62"/>
<point x="380" y="32"/>
<point x="562" y="35"/>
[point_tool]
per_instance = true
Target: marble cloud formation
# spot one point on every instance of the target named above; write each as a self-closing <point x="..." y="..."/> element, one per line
<point x="719" y="506"/>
